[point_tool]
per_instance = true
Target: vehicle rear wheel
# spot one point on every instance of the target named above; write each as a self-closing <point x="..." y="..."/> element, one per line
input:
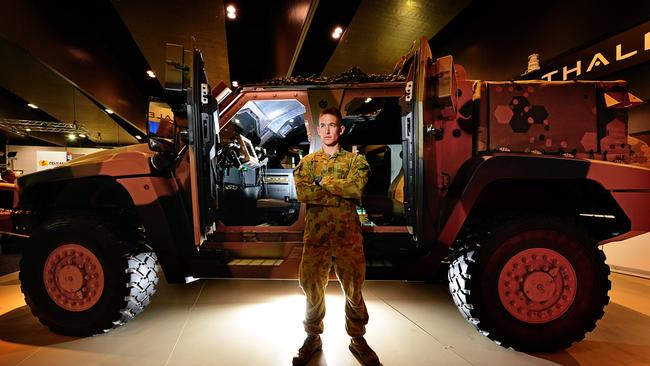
<point x="536" y="285"/>
<point x="79" y="279"/>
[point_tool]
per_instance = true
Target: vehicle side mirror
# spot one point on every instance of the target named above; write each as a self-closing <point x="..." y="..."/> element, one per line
<point x="161" y="127"/>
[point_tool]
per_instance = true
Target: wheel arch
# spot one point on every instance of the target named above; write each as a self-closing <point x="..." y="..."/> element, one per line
<point x="97" y="192"/>
<point x="111" y="199"/>
<point x="503" y="187"/>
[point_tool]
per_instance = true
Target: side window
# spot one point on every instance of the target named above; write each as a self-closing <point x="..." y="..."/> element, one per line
<point x="265" y="140"/>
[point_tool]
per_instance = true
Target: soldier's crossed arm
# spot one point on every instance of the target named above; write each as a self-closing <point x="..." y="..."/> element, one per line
<point x="353" y="184"/>
<point x="307" y="191"/>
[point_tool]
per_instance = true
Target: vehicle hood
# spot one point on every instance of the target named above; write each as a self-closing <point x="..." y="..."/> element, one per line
<point x="119" y="162"/>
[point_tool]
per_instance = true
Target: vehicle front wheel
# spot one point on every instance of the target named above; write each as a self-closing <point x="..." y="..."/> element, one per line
<point x="536" y="285"/>
<point x="79" y="279"/>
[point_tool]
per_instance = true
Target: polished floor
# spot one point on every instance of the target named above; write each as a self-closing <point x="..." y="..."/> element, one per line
<point x="258" y="322"/>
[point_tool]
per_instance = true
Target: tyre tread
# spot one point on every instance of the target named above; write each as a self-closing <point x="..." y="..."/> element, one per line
<point x="461" y="283"/>
<point x="140" y="276"/>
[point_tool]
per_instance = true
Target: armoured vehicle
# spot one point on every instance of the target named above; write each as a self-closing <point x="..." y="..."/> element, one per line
<point x="514" y="184"/>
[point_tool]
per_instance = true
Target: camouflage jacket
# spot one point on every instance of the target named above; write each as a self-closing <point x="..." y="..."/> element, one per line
<point x="331" y="205"/>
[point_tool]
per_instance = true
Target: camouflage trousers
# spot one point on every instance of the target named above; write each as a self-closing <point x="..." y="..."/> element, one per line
<point x="350" y="267"/>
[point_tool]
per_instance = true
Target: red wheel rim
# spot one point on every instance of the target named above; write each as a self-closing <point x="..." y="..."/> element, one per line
<point x="537" y="285"/>
<point x="73" y="277"/>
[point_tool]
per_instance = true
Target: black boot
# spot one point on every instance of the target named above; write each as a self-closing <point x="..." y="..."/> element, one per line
<point x="362" y="351"/>
<point x="312" y="345"/>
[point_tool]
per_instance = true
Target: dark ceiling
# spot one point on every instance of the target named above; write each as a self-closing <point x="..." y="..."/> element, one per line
<point x="294" y="37"/>
<point x="300" y="42"/>
<point x="74" y="59"/>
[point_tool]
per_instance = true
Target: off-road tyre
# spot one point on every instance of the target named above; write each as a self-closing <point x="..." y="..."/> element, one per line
<point x="477" y="285"/>
<point x="128" y="272"/>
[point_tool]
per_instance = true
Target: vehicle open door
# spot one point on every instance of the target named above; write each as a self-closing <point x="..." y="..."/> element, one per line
<point x="427" y="89"/>
<point x="203" y="117"/>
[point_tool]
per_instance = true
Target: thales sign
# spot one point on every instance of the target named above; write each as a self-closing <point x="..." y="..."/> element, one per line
<point x="624" y="50"/>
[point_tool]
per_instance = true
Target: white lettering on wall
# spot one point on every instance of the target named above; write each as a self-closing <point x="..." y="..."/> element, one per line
<point x="597" y="60"/>
<point x="620" y="56"/>
<point x="577" y="70"/>
<point x="549" y="76"/>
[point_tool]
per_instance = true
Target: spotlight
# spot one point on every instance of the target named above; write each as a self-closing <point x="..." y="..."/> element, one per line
<point x="235" y="83"/>
<point x="110" y="111"/>
<point x="33" y="106"/>
<point x="336" y="34"/>
<point x="368" y="100"/>
<point x="151" y="74"/>
<point x="138" y="137"/>
<point x="231" y="12"/>
<point x="82" y="135"/>
<point x="28" y="129"/>
<point x="72" y="137"/>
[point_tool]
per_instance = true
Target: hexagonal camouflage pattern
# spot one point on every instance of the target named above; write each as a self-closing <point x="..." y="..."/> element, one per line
<point x="554" y="118"/>
<point x="332" y="235"/>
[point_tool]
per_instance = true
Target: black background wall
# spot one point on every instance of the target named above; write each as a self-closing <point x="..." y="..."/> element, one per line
<point x="492" y="39"/>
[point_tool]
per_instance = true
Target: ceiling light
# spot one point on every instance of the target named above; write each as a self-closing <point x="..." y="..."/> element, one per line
<point x="235" y="83"/>
<point x="28" y="129"/>
<point x="30" y="105"/>
<point x="231" y="12"/>
<point x="336" y="34"/>
<point x="151" y="74"/>
<point x="109" y="111"/>
<point x="72" y="137"/>
<point x="368" y="100"/>
<point x="138" y="137"/>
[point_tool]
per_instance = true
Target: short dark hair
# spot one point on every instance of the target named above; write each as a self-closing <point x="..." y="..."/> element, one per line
<point x="333" y="111"/>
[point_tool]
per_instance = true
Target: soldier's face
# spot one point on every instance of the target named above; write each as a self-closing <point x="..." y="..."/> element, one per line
<point x="329" y="130"/>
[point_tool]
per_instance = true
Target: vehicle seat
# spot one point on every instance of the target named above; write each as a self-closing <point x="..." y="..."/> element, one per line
<point x="387" y="209"/>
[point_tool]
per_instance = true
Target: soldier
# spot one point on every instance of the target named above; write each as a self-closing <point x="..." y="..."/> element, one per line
<point x="330" y="181"/>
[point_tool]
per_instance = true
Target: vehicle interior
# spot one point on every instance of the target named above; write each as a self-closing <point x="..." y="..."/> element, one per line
<point x="268" y="138"/>
<point x="255" y="165"/>
<point x="373" y="126"/>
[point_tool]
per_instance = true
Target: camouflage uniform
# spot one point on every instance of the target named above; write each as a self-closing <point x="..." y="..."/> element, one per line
<point x="332" y="235"/>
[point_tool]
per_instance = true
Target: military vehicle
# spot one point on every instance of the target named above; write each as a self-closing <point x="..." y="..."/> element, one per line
<point x="515" y="184"/>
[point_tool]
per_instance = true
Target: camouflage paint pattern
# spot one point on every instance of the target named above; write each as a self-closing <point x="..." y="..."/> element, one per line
<point x="332" y="235"/>
<point x="553" y="117"/>
<point x="639" y="152"/>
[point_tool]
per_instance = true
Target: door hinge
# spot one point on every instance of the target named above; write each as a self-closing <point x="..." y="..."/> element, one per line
<point x="408" y="91"/>
<point x="436" y="133"/>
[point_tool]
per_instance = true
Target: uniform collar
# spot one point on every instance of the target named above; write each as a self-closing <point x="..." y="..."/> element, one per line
<point x="322" y="152"/>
